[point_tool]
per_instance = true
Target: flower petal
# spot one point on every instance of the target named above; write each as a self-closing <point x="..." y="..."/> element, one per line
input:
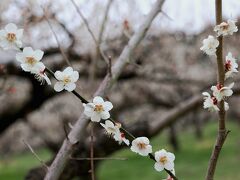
<point x="158" y="166"/>
<point x="38" y="54"/>
<point x="105" y="115"/>
<point x="95" y="117"/>
<point x="70" y="86"/>
<point x="107" y="106"/>
<point x="59" y="86"/>
<point x="98" y="100"/>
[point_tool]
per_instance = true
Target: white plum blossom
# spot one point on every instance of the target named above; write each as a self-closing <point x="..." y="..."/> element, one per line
<point x="11" y="37"/>
<point x="230" y="66"/>
<point x="30" y="60"/>
<point x="164" y="160"/>
<point x="66" y="79"/>
<point x="98" y="109"/>
<point x="141" y="146"/>
<point x="120" y="138"/>
<point x="210" y="103"/>
<point x="210" y="45"/>
<point x="226" y="28"/>
<point x="221" y="92"/>
<point x="110" y="128"/>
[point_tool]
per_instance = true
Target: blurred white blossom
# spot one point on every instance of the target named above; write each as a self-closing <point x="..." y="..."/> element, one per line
<point x="221" y="92"/>
<point x="141" y="145"/>
<point x="11" y="37"/>
<point x="120" y="138"/>
<point x="164" y="160"/>
<point x="230" y="66"/>
<point x="226" y="28"/>
<point x="210" y="45"/>
<point x="210" y="103"/>
<point x="110" y="128"/>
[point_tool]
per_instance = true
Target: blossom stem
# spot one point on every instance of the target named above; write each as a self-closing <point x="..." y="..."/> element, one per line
<point x="222" y="132"/>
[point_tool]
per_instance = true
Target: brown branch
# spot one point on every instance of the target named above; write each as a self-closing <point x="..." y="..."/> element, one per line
<point x="222" y="132"/>
<point x="76" y="133"/>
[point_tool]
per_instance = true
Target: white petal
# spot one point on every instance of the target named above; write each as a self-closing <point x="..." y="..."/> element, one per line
<point x="59" y="86"/>
<point x="158" y="166"/>
<point x="107" y="106"/>
<point x="98" y="100"/>
<point x="26" y="67"/>
<point x="19" y="33"/>
<point x="39" y="66"/>
<point x="74" y="76"/>
<point x="226" y="106"/>
<point x="95" y="117"/>
<point x="20" y="57"/>
<point x="88" y="109"/>
<point x="68" y="71"/>
<point x="105" y="115"/>
<point x="171" y="156"/>
<point x="28" y="51"/>
<point x="70" y="86"/>
<point x="11" y="28"/>
<point x="38" y="54"/>
<point x="169" y="165"/>
<point x="59" y="75"/>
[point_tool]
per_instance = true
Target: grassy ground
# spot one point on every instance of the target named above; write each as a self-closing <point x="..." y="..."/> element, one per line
<point x="191" y="161"/>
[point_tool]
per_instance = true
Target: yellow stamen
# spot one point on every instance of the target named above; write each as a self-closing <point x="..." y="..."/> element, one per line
<point x="141" y="145"/>
<point x="11" y="37"/>
<point x="163" y="160"/>
<point x="98" y="108"/>
<point x="66" y="80"/>
<point x="30" y="60"/>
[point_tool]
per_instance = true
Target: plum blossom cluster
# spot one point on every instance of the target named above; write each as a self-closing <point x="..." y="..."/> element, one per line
<point x="31" y="60"/>
<point x="99" y="110"/>
<point x="220" y="92"/>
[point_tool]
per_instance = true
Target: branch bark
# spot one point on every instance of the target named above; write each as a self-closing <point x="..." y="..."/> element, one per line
<point x="76" y="133"/>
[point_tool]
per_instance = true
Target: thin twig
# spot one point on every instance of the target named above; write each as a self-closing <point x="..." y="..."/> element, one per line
<point x="103" y="25"/>
<point x="55" y="36"/>
<point x="92" y="153"/>
<point x="35" y="154"/>
<point x="222" y="132"/>
<point x="90" y="31"/>
<point x="110" y="66"/>
<point x="97" y="159"/>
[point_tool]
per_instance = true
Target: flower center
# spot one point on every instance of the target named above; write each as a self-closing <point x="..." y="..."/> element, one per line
<point x="163" y="160"/>
<point x="224" y="26"/>
<point x="141" y="145"/>
<point x="214" y="100"/>
<point x="98" y="108"/>
<point x="228" y="66"/>
<point x="66" y="80"/>
<point x="30" y="60"/>
<point x="11" y="37"/>
<point x="219" y="86"/>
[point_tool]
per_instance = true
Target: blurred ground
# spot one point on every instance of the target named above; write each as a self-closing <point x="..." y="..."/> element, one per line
<point x="191" y="161"/>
